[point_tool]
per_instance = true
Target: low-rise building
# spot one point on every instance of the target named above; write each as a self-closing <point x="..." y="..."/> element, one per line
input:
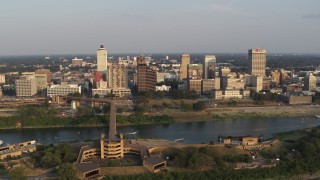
<point x="63" y="89"/>
<point x="195" y="84"/>
<point x="231" y="94"/>
<point x="163" y="88"/>
<point x="16" y="150"/>
<point x="208" y="85"/>
<point x="296" y="99"/>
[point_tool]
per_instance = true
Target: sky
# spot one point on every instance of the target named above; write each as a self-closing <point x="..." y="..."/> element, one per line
<point x="158" y="26"/>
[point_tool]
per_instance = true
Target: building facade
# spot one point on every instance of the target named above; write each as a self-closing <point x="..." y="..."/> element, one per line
<point x="185" y="60"/>
<point x="102" y="55"/>
<point x="195" y="71"/>
<point x="146" y="77"/>
<point x="26" y="86"/>
<point x="231" y="94"/>
<point x="2" y="78"/>
<point x="210" y="64"/>
<point x="208" y="85"/>
<point x="310" y="82"/>
<point x="41" y="81"/>
<point x="45" y="71"/>
<point x="117" y="76"/>
<point x="63" y="89"/>
<point x="257" y="62"/>
<point x="77" y="62"/>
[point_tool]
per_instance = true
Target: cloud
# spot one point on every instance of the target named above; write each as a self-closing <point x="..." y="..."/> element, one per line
<point x="314" y="15"/>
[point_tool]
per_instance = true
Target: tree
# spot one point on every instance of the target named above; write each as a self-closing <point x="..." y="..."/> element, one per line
<point x="46" y="103"/>
<point x="96" y="96"/>
<point x="84" y="111"/>
<point x="199" y="106"/>
<point x="139" y="109"/>
<point x="18" y="174"/>
<point x="67" y="172"/>
<point x="106" y="108"/>
<point x="77" y="94"/>
<point x="120" y="110"/>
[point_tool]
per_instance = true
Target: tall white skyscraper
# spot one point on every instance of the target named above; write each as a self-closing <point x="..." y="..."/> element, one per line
<point x="210" y="64"/>
<point x="102" y="60"/>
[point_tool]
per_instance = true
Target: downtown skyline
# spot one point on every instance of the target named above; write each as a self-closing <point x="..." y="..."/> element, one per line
<point x="78" y="27"/>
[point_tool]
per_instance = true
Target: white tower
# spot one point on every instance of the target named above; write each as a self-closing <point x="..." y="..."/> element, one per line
<point x="102" y="60"/>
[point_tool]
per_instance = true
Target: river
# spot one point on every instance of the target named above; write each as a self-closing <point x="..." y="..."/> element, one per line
<point x="192" y="132"/>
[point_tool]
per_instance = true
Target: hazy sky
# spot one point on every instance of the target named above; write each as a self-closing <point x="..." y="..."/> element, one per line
<point x="165" y="26"/>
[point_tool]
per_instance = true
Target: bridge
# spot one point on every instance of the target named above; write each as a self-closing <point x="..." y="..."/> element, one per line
<point x="113" y="110"/>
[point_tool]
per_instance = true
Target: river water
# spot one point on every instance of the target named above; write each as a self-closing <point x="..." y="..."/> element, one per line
<point x="192" y="132"/>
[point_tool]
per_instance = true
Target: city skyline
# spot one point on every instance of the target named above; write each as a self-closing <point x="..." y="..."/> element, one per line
<point x="78" y="27"/>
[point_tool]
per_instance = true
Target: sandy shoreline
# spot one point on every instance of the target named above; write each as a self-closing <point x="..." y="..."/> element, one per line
<point x="246" y="112"/>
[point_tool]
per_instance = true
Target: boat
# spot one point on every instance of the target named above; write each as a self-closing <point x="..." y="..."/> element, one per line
<point x="134" y="133"/>
<point x="1" y="142"/>
<point x="177" y="140"/>
<point x="317" y="116"/>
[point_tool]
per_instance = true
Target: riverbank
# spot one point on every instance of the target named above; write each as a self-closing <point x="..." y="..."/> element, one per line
<point x="224" y="113"/>
<point x="174" y="116"/>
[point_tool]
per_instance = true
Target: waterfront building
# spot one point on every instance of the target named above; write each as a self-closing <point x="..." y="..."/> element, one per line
<point x="254" y="83"/>
<point x="208" y="85"/>
<point x="231" y="94"/>
<point x="296" y="98"/>
<point x="232" y="82"/>
<point x="257" y="61"/>
<point x="63" y="89"/>
<point x="195" y="84"/>
<point x="310" y="82"/>
<point x="41" y="81"/>
<point x="16" y="150"/>
<point x="102" y="64"/>
<point x="26" y="86"/>
<point x="210" y="64"/>
<point x="77" y="62"/>
<point x="185" y="60"/>
<point x="45" y="71"/>
<point x="114" y="146"/>
<point x="146" y="77"/>
<point x="2" y="78"/>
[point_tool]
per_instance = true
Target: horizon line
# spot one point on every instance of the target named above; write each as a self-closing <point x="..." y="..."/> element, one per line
<point x="164" y="53"/>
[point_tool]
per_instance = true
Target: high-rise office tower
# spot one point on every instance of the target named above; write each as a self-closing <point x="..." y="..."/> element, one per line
<point x="310" y="82"/>
<point x="210" y="64"/>
<point x="146" y="77"/>
<point x="102" y="60"/>
<point x="185" y="60"/>
<point x="117" y="76"/>
<point x="195" y="71"/>
<point x="257" y="62"/>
